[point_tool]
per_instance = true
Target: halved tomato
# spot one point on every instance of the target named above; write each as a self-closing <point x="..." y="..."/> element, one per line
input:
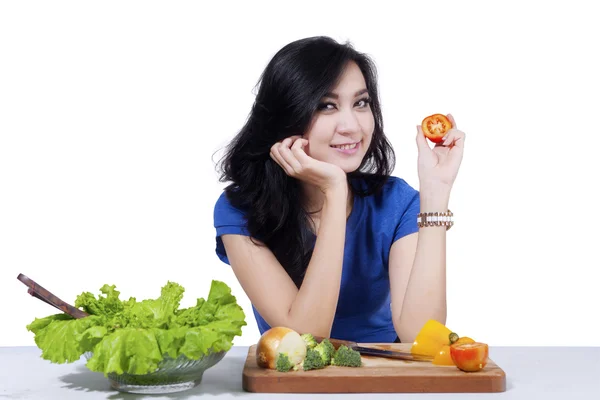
<point x="464" y="339"/>
<point x="435" y="127"/>
<point x="469" y="357"/>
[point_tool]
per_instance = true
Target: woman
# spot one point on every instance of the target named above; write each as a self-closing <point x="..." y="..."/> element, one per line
<point x="321" y="238"/>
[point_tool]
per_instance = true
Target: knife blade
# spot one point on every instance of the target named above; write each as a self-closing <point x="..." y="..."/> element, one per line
<point x="398" y="355"/>
<point x="372" y="351"/>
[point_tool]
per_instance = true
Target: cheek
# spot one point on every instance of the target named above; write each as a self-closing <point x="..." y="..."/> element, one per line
<point x="367" y="124"/>
<point x="317" y="149"/>
<point x="321" y="130"/>
<point x="319" y="137"/>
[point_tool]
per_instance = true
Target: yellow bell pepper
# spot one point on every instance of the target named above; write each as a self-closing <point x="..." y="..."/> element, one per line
<point x="432" y="337"/>
<point x="443" y="356"/>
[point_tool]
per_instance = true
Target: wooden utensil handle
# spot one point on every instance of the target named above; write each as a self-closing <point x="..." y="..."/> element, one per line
<point x="41" y="293"/>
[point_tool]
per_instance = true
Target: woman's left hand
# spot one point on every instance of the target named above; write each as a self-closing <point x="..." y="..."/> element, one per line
<point x="438" y="166"/>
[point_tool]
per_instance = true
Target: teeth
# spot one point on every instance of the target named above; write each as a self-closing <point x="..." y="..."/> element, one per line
<point x="346" y="146"/>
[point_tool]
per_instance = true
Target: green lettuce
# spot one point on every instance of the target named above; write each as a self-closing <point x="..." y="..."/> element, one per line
<point x="134" y="336"/>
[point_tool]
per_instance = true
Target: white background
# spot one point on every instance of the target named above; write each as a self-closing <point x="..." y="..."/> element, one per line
<point x="110" y="113"/>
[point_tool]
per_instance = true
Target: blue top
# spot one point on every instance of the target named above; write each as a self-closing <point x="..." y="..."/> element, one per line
<point x="364" y="307"/>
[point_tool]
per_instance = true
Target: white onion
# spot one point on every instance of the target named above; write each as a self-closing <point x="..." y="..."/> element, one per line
<point x="280" y="340"/>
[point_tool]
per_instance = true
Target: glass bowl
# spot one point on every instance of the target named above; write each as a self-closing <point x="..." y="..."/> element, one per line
<point x="172" y="375"/>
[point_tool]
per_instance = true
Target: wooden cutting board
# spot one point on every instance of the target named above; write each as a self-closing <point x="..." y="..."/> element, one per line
<point x="377" y="375"/>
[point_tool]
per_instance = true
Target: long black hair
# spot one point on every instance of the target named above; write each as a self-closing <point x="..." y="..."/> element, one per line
<point x="290" y="89"/>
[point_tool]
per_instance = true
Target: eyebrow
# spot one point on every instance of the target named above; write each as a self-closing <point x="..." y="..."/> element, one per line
<point x="335" y="96"/>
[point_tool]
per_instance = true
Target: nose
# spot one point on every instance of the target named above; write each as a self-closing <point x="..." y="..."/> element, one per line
<point x="347" y="123"/>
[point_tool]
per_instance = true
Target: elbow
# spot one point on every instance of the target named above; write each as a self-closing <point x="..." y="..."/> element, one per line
<point x="309" y="328"/>
<point x="408" y="329"/>
<point x="313" y="329"/>
<point x="315" y="326"/>
<point x="406" y="335"/>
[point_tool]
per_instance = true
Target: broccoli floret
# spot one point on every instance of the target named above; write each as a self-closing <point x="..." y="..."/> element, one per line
<point x="312" y="360"/>
<point x="325" y="350"/>
<point x="346" y="357"/>
<point x="309" y="339"/>
<point x="283" y="363"/>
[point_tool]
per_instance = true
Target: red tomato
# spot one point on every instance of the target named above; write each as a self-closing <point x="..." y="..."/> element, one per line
<point x="464" y="339"/>
<point x="435" y="127"/>
<point x="469" y="357"/>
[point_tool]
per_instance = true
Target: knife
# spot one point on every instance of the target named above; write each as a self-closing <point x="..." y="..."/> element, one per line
<point x="371" y="351"/>
<point x="41" y="293"/>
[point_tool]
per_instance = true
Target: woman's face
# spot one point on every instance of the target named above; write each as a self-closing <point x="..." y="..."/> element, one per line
<point x="342" y="127"/>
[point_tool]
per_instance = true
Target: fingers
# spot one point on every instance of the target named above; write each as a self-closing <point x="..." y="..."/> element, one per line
<point x="454" y="138"/>
<point x="298" y="151"/>
<point x="278" y="158"/>
<point x="456" y="141"/>
<point x="452" y="121"/>
<point x="286" y="153"/>
<point x="447" y="142"/>
<point x="282" y="154"/>
<point x="421" y="140"/>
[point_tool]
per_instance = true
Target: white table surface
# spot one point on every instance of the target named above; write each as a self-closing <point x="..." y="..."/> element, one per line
<point x="531" y="373"/>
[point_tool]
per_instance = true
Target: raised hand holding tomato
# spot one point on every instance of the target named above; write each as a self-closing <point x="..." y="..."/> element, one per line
<point x="438" y="166"/>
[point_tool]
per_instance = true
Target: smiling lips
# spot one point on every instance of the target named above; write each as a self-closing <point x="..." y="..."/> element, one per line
<point x="347" y="148"/>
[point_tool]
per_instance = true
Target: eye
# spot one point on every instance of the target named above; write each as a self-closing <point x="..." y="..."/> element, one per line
<point x="326" y="106"/>
<point x="363" y="103"/>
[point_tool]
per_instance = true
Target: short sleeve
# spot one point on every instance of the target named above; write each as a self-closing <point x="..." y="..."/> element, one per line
<point x="227" y="220"/>
<point x="410" y="202"/>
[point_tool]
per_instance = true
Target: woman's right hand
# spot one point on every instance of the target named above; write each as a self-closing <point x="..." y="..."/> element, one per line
<point x="290" y="155"/>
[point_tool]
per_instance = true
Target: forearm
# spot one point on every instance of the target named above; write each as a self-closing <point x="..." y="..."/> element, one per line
<point x="426" y="291"/>
<point x="313" y="309"/>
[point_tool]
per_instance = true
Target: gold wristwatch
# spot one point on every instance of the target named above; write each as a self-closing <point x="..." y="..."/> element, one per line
<point x="435" y="219"/>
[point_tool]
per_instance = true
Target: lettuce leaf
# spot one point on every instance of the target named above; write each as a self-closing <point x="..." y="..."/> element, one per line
<point x="220" y="306"/>
<point x="107" y="305"/>
<point x="59" y="336"/>
<point x="191" y="342"/>
<point x="134" y="336"/>
<point x="130" y="350"/>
